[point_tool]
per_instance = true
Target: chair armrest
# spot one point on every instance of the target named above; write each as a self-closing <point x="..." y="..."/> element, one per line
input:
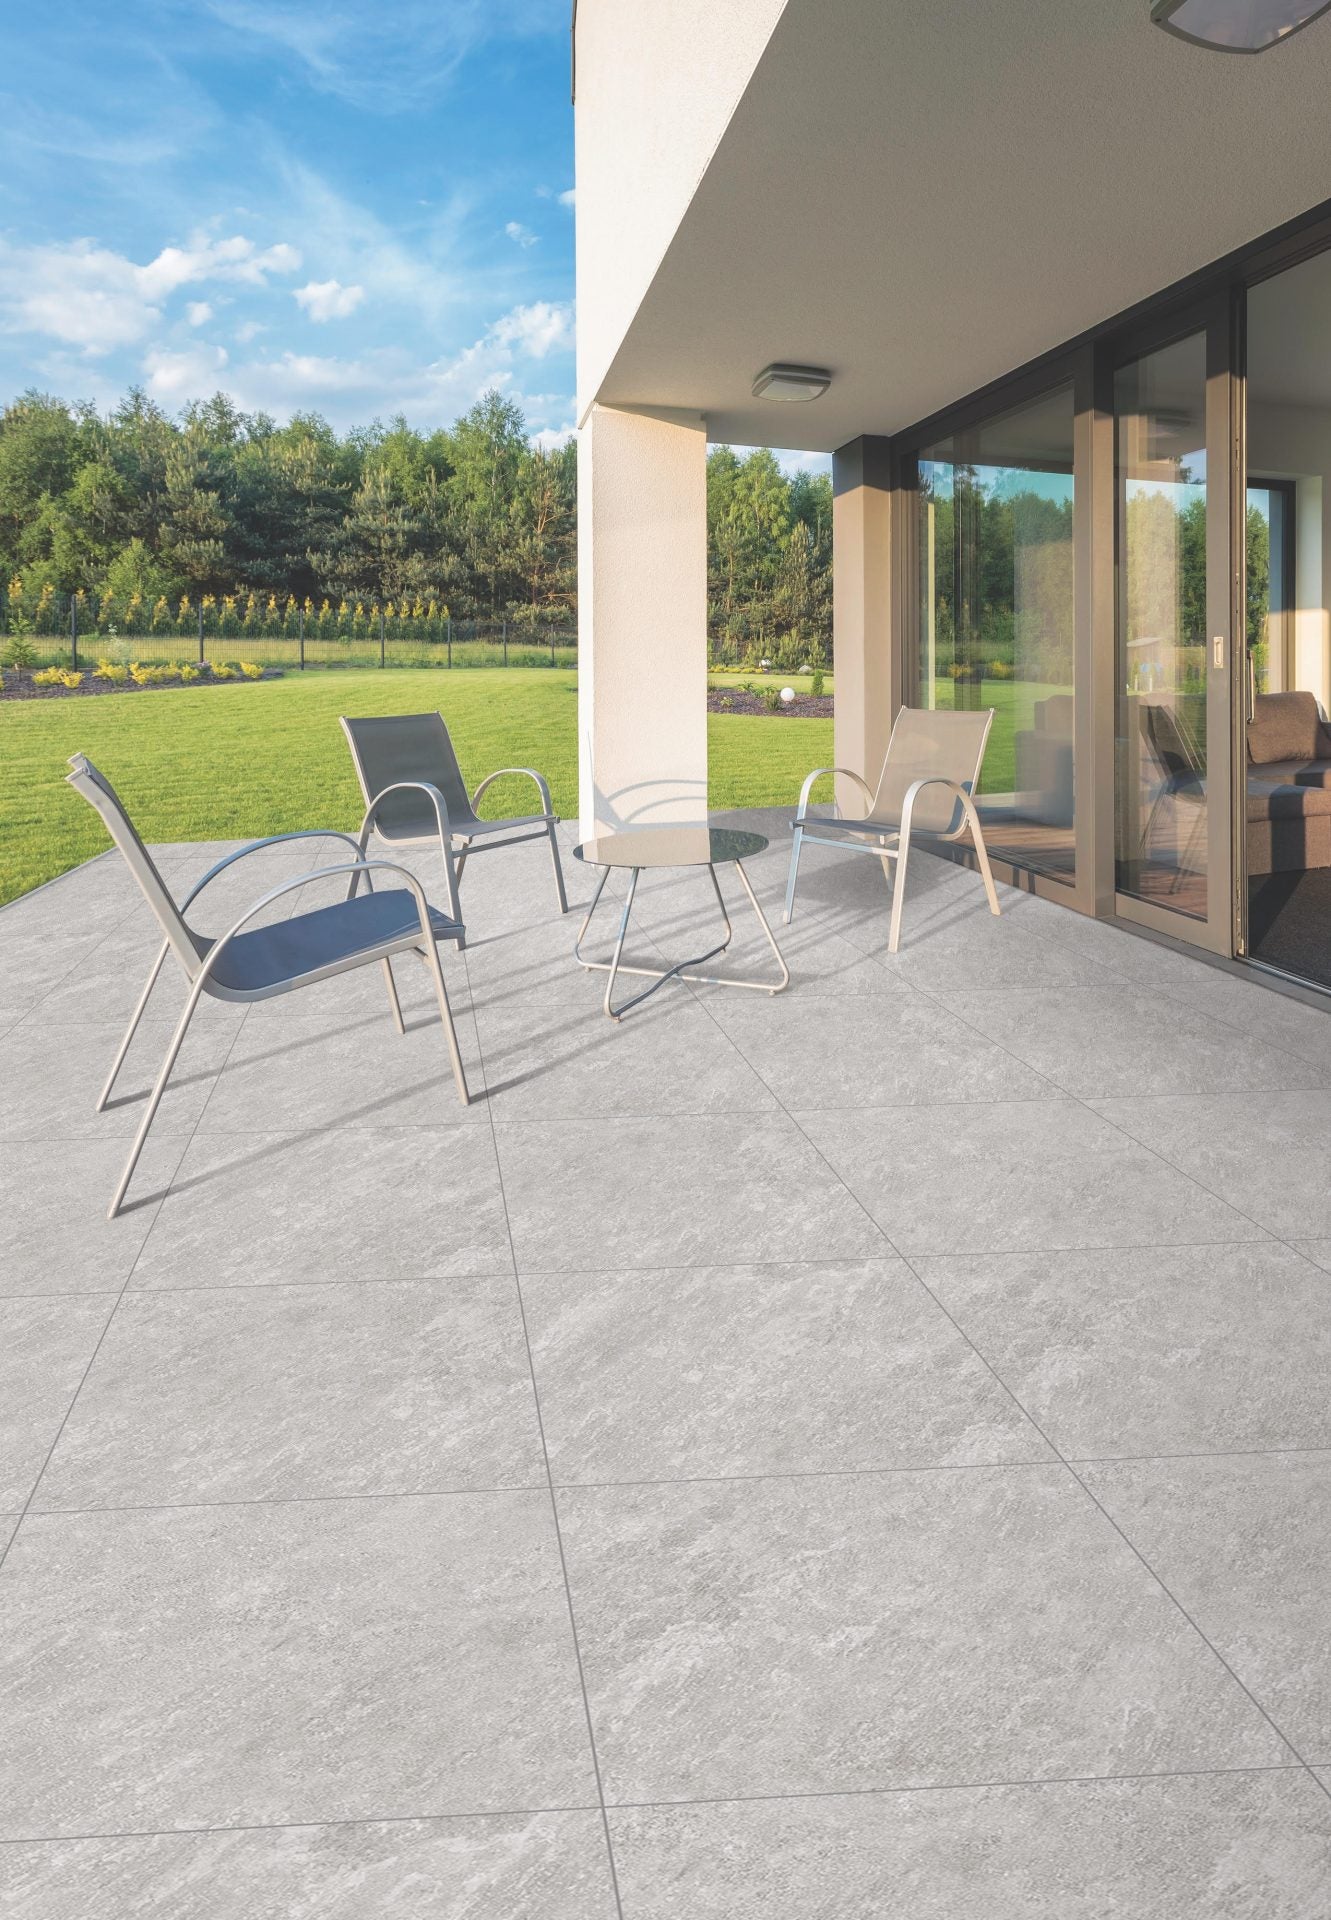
<point x="528" y="773"/>
<point x="817" y="775"/>
<point x="962" y="790"/>
<point x="440" y="806"/>
<point x="255" y="846"/>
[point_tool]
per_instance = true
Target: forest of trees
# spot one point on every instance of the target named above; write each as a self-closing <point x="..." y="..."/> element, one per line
<point x="476" y="519"/>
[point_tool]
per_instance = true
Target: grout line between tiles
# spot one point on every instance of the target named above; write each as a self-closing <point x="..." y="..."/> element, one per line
<point x="554" y="1504"/>
<point x="1137" y="1553"/>
<point x="1032" y="1783"/>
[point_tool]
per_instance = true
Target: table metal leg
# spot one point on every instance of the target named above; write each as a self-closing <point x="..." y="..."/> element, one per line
<point x="659" y="975"/>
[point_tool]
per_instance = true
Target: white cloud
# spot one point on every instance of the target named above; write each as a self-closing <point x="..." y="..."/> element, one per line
<point x="569" y="198"/>
<point x="552" y="438"/>
<point x="387" y="58"/>
<point x="93" y="298"/>
<point x="198" y="313"/>
<point x="175" y="377"/>
<point x="387" y="380"/>
<point x="546" y="326"/>
<point x="249" y="330"/>
<point x="328" y="299"/>
<point x="523" y="236"/>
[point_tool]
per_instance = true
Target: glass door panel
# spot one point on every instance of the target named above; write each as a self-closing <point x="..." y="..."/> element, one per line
<point x="997" y="611"/>
<point x="1174" y="497"/>
<point x="1163" y="841"/>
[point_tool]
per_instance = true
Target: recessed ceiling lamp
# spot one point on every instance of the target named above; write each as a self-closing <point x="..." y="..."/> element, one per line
<point x="783" y="382"/>
<point x="1236" y="26"/>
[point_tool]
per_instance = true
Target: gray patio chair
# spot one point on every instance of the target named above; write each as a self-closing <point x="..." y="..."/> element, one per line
<point x="931" y="770"/>
<point x="267" y="961"/>
<point x="415" y="796"/>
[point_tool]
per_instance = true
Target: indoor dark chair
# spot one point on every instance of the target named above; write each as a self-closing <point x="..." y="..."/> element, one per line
<point x="415" y="796"/>
<point x="1183" y="781"/>
<point x="281" y="958"/>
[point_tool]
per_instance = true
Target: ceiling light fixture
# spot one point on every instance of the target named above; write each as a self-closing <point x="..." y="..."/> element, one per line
<point x="1236" y="26"/>
<point x="781" y="381"/>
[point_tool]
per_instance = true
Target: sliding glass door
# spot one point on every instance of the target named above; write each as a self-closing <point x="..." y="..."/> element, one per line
<point x="996" y="616"/>
<point x="1173" y="422"/>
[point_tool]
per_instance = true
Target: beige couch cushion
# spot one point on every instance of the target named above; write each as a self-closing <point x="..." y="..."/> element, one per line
<point x="1286" y="726"/>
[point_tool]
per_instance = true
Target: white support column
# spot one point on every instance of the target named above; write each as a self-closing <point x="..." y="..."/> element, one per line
<point x="642" y="618"/>
<point x="867" y="675"/>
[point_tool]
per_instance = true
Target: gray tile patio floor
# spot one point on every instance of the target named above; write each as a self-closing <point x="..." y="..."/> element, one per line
<point x="861" y="1453"/>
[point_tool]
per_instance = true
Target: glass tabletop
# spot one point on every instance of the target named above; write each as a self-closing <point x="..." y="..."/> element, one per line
<point x="669" y="847"/>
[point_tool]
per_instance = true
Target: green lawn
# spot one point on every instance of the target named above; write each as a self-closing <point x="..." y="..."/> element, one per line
<point x="240" y="761"/>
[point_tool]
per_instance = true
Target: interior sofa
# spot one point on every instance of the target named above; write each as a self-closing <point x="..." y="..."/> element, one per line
<point x="1289" y="785"/>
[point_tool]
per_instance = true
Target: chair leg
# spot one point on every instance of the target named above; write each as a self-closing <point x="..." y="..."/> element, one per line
<point x="898" y="889"/>
<point x="395" y="1005"/>
<point x="559" y="871"/>
<point x="982" y="856"/>
<point x="133" y="1027"/>
<point x="796" y="847"/>
<point x="433" y="962"/>
<point x="177" y="1040"/>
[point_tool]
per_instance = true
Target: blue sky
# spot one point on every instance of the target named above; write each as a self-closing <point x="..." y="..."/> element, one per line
<point x="357" y="208"/>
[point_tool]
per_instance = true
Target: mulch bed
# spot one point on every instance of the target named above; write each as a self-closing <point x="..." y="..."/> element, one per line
<point x="17" y="684"/>
<point x="804" y="706"/>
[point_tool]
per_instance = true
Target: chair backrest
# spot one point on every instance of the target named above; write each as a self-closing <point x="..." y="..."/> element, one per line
<point x="97" y="790"/>
<point x="936" y="744"/>
<point x="407" y="746"/>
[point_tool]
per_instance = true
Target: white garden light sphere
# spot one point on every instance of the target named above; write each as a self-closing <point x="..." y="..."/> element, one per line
<point x="787" y="695"/>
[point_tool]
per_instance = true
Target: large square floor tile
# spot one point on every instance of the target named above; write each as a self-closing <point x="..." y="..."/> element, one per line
<point x="955" y="945"/>
<point x="547" y="1057"/>
<point x="534" y="1866"/>
<point x="396" y="1203"/>
<point x="897" y="1049"/>
<point x="45" y="1346"/>
<point x="51" y="1075"/>
<point x="1040" y="1174"/>
<point x="878" y="1630"/>
<point x="351" y="1069"/>
<point x="290" y="1392"/>
<point x="259" y="1665"/>
<point x="1270" y="1153"/>
<point x="1109" y="1042"/>
<point x="680" y="1372"/>
<point x="54" y="1233"/>
<point x="1153" y="1350"/>
<point x="1245" y="1544"/>
<point x="677" y="1192"/>
<point x="1248" y="1846"/>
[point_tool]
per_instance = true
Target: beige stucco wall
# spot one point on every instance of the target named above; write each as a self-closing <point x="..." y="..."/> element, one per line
<point x="642" y="619"/>
<point x="657" y="82"/>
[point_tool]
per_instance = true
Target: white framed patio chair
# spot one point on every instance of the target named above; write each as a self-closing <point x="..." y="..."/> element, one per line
<point x="415" y="796"/>
<point x="930" y="773"/>
<point x="258" y="963"/>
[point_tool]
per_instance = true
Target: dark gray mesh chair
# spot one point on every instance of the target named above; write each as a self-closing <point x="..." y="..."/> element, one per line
<point x="266" y="961"/>
<point x="415" y="796"/>
<point x="931" y="770"/>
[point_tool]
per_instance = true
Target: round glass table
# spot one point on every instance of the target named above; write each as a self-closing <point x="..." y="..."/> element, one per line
<point x="652" y="848"/>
